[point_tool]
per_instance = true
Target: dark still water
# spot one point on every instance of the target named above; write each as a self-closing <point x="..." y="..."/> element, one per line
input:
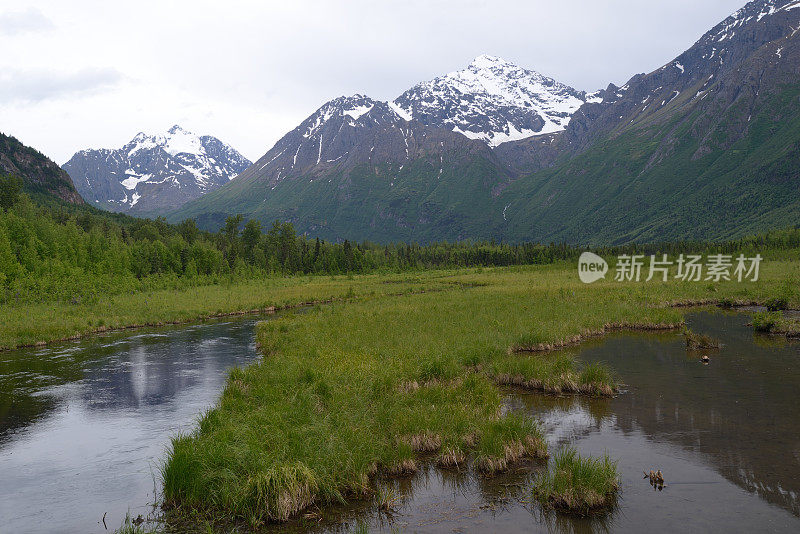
<point x="84" y="426"/>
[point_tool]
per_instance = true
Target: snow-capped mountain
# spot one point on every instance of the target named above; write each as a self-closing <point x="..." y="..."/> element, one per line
<point x="154" y="173"/>
<point x="492" y="100"/>
<point x="353" y="130"/>
<point x="710" y="136"/>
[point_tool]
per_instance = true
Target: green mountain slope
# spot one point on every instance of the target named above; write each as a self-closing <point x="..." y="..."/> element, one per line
<point x="41" y="178"/>
<point x="376" y="202"/>
<point x="613" y="193"/>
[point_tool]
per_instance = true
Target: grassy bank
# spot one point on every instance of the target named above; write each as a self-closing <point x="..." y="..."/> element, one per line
<point x="37" y="323"/>
<point x="773" y="322"/>
<point x="361" y="389"/>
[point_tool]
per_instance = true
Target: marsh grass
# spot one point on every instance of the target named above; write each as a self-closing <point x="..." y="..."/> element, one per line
<point x="31" y="324"/>
<point x="773" y="322"/>
<point x="695" y="341"/>
<point x="776" y="303"/>
<point x="578" y="485"/>
<point x="356" y="390"/>
<point x="766" y="322"/>
<point x="387" y="499"/>
<point x="136" y="526"/>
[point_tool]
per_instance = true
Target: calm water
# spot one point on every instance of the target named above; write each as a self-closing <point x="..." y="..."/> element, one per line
<point x="84" y="426"/>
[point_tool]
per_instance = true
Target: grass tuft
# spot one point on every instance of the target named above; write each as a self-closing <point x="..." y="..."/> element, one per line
<point x="766" y="322"/>
<point x="695" y="341"/>
<point x="508" y="440"/>
<point x="776" y="303"/>
<point x="136" y="526"/>
<point x="577" y="485"/>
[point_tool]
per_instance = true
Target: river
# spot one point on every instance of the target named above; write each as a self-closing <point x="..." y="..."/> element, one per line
<point x="84" y="426"/>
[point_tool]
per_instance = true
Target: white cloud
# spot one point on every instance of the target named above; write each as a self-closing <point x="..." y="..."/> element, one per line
<point x="31" y="86"/>
<point x="30" y="20"/>
<point x="248" y="71"/>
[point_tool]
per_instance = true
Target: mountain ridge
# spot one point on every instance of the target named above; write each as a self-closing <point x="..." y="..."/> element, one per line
<point x="685" y="146"/>
<point x="154" y="172"/>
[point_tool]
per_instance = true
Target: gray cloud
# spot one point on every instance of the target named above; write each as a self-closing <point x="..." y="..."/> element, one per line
<point x="27" y="21"/>
<point x="38" y="85"/>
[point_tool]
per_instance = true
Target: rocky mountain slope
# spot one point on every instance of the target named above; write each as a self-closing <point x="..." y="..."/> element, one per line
<point x="41" y="177"/>
<point x="356" y="162"/>
<point x="154" y="173"/>
<point x="707" y="146"/>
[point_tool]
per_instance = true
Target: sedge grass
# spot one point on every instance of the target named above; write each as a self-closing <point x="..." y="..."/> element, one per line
<point x="578" y="485"/>
<point x="38" y="323"/>
<point x="695" y="341"/>
<point x="773" y="322"/>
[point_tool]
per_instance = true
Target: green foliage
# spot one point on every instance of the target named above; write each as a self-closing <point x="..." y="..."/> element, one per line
<point x="776" y="303"/>
<point x="10" y="187"/>
<point x="75" y="255"/>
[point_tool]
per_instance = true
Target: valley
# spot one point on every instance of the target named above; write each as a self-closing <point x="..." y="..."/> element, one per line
<point x="489" y="299"/>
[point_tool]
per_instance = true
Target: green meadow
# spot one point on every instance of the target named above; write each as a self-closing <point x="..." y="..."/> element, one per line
<point x="370" y="386"/>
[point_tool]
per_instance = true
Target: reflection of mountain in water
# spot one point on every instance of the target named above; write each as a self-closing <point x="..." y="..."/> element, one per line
<point x="739" y="412"/>
<point x="119" y="371"/>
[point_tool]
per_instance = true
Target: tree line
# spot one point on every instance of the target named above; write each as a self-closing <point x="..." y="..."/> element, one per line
<point x="69" y="254"/>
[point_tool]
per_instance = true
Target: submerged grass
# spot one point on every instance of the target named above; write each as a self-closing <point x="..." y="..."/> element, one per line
<point x="136" y="526"/>
<point x="362" y="389"/>
<point x="577" y="485"/>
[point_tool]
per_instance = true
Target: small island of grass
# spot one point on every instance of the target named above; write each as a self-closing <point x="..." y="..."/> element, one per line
<point x="577" y="485"/>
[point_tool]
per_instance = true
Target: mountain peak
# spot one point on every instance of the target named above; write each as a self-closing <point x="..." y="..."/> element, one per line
<point x="487" y="61"/>
<point x="153" y="172"/>
<point x="178" y="130"/>
<point x="492" y="100"/>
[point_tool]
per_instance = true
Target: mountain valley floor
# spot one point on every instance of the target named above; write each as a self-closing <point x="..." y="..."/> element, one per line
<point x="400" y="367"/>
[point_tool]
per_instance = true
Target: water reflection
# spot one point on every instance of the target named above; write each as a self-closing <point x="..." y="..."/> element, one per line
<point x="83" y="426"/>
<point x="739" y="412"/>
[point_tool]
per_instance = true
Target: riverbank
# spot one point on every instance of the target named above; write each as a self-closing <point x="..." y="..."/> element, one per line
<point x="42" y="323"/>
<point x="356" y="390"/>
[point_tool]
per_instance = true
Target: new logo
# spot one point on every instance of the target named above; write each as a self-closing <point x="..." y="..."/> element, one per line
<point x="591" y="267"/>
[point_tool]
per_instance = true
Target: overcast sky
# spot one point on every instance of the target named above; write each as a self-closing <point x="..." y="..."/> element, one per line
<point x="89" y="74"/>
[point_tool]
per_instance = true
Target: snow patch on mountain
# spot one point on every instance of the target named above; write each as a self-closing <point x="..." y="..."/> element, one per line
<point x="492" y="100"/>
<point x="406" y="115"/>
<point x="152" y="170"/>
